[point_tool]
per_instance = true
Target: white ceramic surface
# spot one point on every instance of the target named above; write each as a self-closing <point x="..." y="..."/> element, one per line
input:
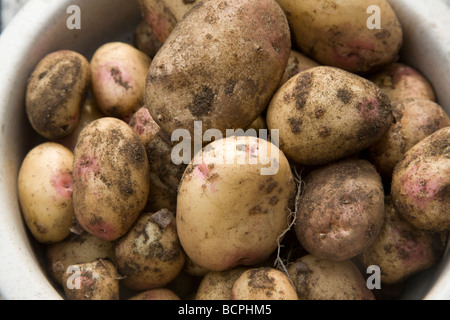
<point x="40" y="27"/>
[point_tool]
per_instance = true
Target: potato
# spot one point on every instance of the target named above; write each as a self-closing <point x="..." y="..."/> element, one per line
<point x="263" y="284"/>
<point x="324" y="114"/>
<point x="163" y="15"/>
<point x="45" y="191"/>
<point x="118" y="79"/>
<point x="145" y="39"/>
<point x="97" y="280"/>
<point x="110" y="178"/>
<point x="401" y="250"/>
<point x="156" y="294"/>
<point x="88" y="113"/>
<point x="74" y="250"/>
<point x="220" y="65"/>
<point x="341" y="209"/>
<point x="317" y="278"/>
<point x="149" y="256"/>
<point x="297" y="63"/>
<point x="229" y="211"/>
<point x="165" y="176"/>
<point x="400" y="81"/>
<point x="421" y="183"/>
<point x="217" y="285"/>
<point x="337" y="33"/>
<point x="55" y="92"/>
<point x="415" y="119"/>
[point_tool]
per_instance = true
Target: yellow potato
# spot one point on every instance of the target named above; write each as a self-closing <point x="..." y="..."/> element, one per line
<point x="325" y="114"/>
<point x="111" y="178"/>
<point x="156" y="294"/>
<point x="263" y="284"/>
<point x="118" y="79"/>
<point x="45" y="191"/>
<point x="316" y="278"/>
<point x="55" y="92"/>
<point x="230" y="211"/>
<point x="96" y="280"/>
<point x="150" y="256"/>
<point x="217" y="285"/>
<point x="76" y="249"/>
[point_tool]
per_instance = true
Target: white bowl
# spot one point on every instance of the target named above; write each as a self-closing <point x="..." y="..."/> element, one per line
<point x="40" y="27"/>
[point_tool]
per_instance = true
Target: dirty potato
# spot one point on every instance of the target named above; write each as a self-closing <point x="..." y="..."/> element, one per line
<point x="324" y="114"/>
<point x="415" y="119"/>
<point x="55" y="91"/>
<point x="150" y="256"/>
<point x="163" y="15"/>
<point x="220" y="65"/>
<point x="217" y="285"/>
<point x="317" y="278"/>
<point x="400" y="81"/>
<point x="165" y="175"/>
<point x="233" y="202"/>
<point x="336" y="33"/>
<point x="341" y="210"/>
<point x="297" y="63"/>
<point x="118" y="79"/>
<point x="110" y="178"/>
<point x="401" y="250"/>
<point x="74" y="250"/>
<point x="263" y="284"/>
<point x="145" y="39"/>
<point x="45" y="185"/>
<point x="421" y="183"/>
<point x="88" y="113"/>
<point x="96" y="280"/>
<point x="156" y="294"/>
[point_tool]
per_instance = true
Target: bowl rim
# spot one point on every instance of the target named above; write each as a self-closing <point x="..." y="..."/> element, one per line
<point x="18" y="279"/>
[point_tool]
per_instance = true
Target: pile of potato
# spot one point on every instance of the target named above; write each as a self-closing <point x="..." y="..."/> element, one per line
<point x="359" y="175"/>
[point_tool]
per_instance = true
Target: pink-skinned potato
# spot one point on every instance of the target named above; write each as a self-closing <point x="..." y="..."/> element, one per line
<point x="341" y="209"/>
<point x="400" y="81"/>
<point x="230" y="210"/>
<point x="163" y="15"/>
<point x="420" y="186"/>
<point x="110" y="178"/>
<point x="324" y="114"/>
<point x="45" y="186"/>
<point x="165" y="175"/>
<point x="401" y="250"/>
<point x="118" y="79"/>
<point x="145" y="39"/>
<point x="337" y="33"/>
<point x="415" y="119"/>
